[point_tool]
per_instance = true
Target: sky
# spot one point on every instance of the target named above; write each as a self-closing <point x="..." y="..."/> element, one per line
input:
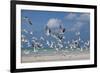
<point x="72" y="21"/>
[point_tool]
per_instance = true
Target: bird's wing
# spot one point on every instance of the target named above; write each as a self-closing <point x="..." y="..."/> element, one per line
<point x="30" y="22"/>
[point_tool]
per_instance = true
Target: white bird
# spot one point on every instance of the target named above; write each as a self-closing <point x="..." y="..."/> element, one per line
<point x="29" y="45"/>
<point x="48" y="43"/>
<point x="60" y="45"/>
<point x="31" y="32"/>
<point x="51" y="45"/>
<point x="34" y="38"/>
<point x="47" y="30"/>
<point x="62" y="30"/>
<point x="87" y="45"/>
<point x="41" y="38"/>
<point x="28" y="20"/>
<point x="79" y="39"/>
<point x="24" y="40"/>
<point x="57" y="49"/>
<point x="24" y="30"/>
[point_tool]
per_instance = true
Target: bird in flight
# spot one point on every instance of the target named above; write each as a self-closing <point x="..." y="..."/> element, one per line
<point x="28" y="20"/>
<point x="48" y="31"/>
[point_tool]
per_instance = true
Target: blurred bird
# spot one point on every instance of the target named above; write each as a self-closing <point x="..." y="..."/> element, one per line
<point x="28" y="44"/>
<point x="24" y="30"/>
<point x="27" y="20"/>
<point x="47" y="42"/>
<point x="41" y="38"/>
<point x="60" y="37"/>
<point x="31" y="33"/>
<point x="23" y="39"/>
<point x="51" y="45"/>
<point x="62" y="29"/>
<point x="47" y="30"/>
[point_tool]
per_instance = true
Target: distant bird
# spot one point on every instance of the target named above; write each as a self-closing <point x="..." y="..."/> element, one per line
<point x="60" y="45"/>
<point x="47" y="30"/>
<point x="28" y="20"/>
<point x="31" y="33"/>
<point x="34" y="38"/>
<point x="23" y="39"/>
<point x="39" y="45"/>
<point x="60" y="37"/>
<point x="87" y="44"/>
<point x="48" y="43"/>
<point x="24" y="30"/>
<point x="51" y="45"/>
<point x="28" y="44"/>
<point x="41" y="38"/>
<point x="77" y="44"/>
<point x="62" y="29"/>
<point x="56" y="48"/>
<point x="34" y="47"/>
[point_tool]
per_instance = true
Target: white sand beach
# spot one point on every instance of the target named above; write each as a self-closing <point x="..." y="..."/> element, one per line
<point x="55" y="57"/>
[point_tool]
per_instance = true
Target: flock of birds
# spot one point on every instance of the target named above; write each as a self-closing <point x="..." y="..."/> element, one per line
<point x="56" y="33"/>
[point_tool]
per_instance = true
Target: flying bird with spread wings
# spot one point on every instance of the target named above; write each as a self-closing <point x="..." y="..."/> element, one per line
<point x="28" y="20"/>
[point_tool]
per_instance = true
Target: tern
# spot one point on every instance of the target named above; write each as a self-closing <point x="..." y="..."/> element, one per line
<point x="28" y="20"/>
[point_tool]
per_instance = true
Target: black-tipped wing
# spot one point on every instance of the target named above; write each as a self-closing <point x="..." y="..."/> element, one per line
<point x="29" y="21"/>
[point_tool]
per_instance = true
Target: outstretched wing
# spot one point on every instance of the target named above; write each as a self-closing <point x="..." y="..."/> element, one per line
<point x="28" y="20"/>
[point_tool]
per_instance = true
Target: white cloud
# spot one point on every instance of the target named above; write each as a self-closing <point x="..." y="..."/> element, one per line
<point x="79" y="20"/>
<point x="84" y="17"/>
<point x="53" y="22"/>
<point x="81" y="17"/>
<point x="71" y="16"/>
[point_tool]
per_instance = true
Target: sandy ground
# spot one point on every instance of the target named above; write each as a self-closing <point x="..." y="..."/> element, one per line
<point x="55" y="57"/>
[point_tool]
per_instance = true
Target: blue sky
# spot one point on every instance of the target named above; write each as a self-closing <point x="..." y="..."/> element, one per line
<point x="72" y="21"/>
